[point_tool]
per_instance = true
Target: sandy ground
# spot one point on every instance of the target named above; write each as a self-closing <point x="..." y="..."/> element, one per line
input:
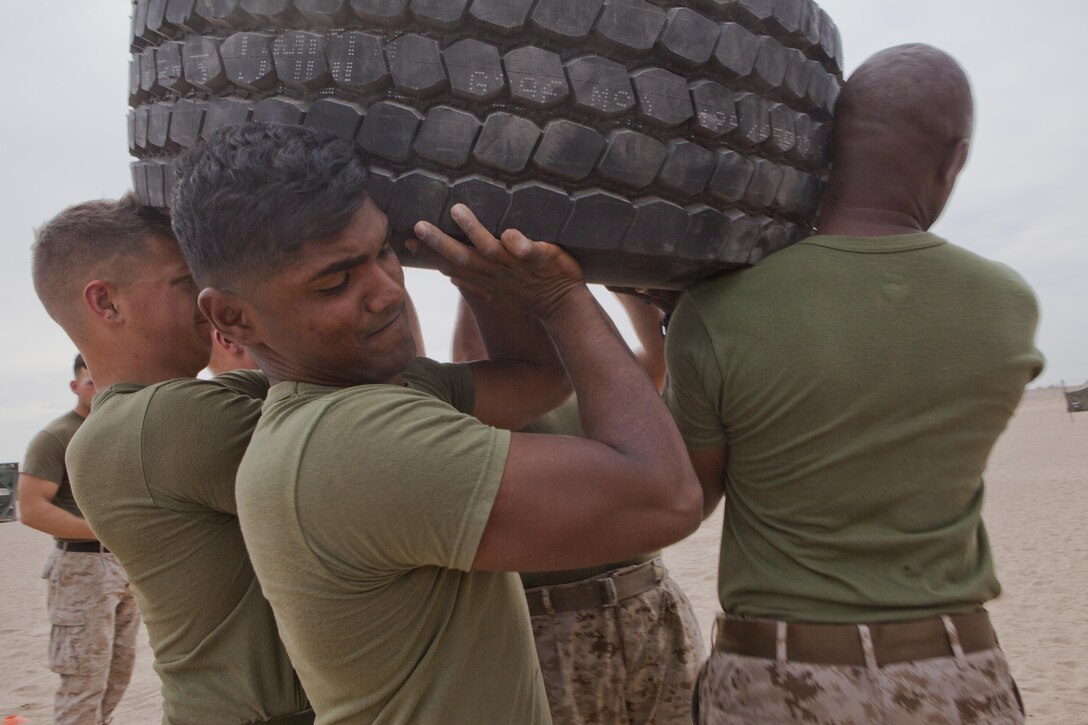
<point x="1036" y="511"/>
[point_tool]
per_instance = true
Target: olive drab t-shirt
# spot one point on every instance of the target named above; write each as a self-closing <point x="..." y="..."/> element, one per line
<point x="363" y="508"/>
<point x="859" y="385"/>
<point x="565" y="420"/>
<point x="45" y="460"/>
<point x="154" y="470"/>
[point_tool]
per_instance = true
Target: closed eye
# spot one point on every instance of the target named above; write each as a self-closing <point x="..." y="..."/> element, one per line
<point x="337" y="288"/>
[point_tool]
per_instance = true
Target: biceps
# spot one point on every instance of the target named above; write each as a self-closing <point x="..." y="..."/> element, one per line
<point x="567" y="502"/>
<point x="34" y="491"/>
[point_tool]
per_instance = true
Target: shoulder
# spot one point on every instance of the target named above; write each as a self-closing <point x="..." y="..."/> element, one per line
<point x="766" y="275"/>
<point x="991" y="284"/>
<point x="197" y="395"/>
<point x="64" y="427"/>
<point x="46" y="443"/>
<point x="425" y="373"/>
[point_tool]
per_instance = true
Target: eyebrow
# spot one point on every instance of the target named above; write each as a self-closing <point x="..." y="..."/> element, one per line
<point x="340" y="266"/>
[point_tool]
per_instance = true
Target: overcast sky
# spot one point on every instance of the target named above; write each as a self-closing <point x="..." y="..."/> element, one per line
<point x="1021" y="200"/>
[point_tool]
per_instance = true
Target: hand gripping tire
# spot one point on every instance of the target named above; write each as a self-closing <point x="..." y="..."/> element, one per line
<point x="660" y="142"/>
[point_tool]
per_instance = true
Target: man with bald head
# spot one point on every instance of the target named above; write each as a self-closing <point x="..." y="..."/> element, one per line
<point x="843" y="397"/>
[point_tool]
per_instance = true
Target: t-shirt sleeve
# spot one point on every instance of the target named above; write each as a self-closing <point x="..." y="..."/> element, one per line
<point x="695" y="388"/>
<point x="201" y="428"/>
<point x="44" y="458"/>
<point x="402" y="482"/>
<point x="449" y="382"/>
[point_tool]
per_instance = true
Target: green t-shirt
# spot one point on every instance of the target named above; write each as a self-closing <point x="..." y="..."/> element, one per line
<point x="154" y="470"/>
<point x="45" y="460"/>
<point x="363" y="508"/>
<point x="565" y="420"/>
<point x="859" y="385"/>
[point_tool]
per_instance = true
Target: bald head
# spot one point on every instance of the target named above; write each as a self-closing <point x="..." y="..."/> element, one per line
<point x="902" y="129"/>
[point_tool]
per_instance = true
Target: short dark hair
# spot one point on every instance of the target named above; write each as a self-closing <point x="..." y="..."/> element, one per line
<point x="249" y="197"/>
<point x="80" y="364"/>
<point x="93" y="239"/>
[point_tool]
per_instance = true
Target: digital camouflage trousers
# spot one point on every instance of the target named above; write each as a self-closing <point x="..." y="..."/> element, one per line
<point x="631" y="663"/>
<point x="966" y="689"/>
<point x="92" y="645"/>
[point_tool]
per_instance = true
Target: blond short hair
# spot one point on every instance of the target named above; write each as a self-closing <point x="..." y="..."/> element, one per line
<point x="93" y="240"/>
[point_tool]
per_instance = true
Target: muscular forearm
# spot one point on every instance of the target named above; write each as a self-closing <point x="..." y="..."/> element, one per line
<point x="513" y="336"/>
<point x="55" y="521"/>
<point x="605" y="373"/>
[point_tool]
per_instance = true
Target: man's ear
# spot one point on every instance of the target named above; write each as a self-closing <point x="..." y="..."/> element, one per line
<point x="98" y="297"/>
<point x="954" y="162"/>
<point x="229" y="314"/>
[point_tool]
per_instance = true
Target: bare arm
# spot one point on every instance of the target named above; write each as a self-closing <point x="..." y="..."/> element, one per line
<point x="628" y="486"/>
<point x="709" y="466"/>
<point x="416" y="328"/>
<point x="467" y="344"/>
<point x="646" y="319"/>
<point x="37" y="511"/>
<point x="522" y="377"/>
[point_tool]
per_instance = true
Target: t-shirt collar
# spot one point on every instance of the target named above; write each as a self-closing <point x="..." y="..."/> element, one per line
<point x="877" y="245"/>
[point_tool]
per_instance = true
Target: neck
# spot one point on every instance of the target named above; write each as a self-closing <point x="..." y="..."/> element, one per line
<point x="107" y="370"/>
<point x="857" y="221"/>
<point x="82" y="410"/>
<point x="276" y="378"/>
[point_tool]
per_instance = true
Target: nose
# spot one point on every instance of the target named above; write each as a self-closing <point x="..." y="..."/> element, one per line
<point x="386" y="290"/>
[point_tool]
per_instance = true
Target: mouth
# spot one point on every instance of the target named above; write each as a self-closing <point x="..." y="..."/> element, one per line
<point x="389" y="325"/>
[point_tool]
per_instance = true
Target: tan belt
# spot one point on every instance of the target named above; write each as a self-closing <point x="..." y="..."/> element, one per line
<point x="841" y="644"/>
<point x="594" y="593"/>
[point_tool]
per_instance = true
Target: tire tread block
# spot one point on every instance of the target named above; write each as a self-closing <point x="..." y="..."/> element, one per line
<point x="447" y="136"/>
<point x="536" y="77"/>
<point x="598" y="220"/>
<point x="506" y="142"/>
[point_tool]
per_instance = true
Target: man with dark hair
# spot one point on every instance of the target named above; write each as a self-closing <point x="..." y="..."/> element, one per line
<point x="380" y="507"/>
<point x="92" y="644"/>
<point x="844" y="396"/>
<point x="153" y="468"/>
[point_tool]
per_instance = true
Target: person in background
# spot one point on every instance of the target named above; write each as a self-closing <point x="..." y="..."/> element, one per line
<point x="153" y="468"/>
<point x="843" y="397"/>
<point x="619" y="642"/>
<point x="94" y="618"/>
<point x="228" y="355"/>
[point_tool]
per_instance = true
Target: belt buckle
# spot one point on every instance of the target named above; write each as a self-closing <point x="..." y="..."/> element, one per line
<point x="608" y="591"/>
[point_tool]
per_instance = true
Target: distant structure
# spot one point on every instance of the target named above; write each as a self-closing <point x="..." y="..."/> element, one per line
<point x="9" y="476"/>
<point x="1076" y="400"/>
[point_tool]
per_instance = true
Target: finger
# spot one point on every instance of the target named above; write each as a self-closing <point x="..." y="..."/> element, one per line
<point x="427" y="256"/>
<point x="518" y="245"/>
<point x="485" y="243"/>
<point x="444" y="245"/>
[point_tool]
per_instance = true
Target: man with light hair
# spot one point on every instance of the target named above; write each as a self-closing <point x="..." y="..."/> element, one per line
<point x="153" y="467"/>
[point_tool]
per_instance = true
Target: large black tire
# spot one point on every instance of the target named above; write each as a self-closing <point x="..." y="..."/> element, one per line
<point x="659" y="141"/>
